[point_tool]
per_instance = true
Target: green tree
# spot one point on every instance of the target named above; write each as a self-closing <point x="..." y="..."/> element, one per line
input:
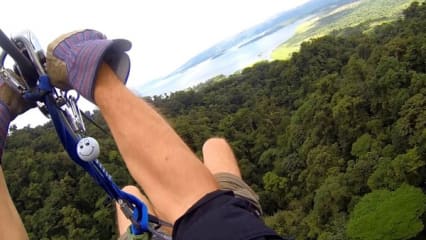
<point x="383" y="214"/>
<point x="391" y="174"/>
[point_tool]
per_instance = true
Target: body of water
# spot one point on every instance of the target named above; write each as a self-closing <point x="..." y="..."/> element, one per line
<point x="234" y="59"/>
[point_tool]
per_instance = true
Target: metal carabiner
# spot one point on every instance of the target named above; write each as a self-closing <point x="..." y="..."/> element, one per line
<point x="10" y="79"/>
<point x="137" y="213"/>
<point x="27" y="41"/>
<point x="76" y="120"/>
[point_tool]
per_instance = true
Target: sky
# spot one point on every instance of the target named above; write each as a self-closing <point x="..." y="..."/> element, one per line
<point x="164" y="33"/>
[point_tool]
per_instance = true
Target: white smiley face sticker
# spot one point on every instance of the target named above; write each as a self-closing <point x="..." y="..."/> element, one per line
<point x="88" y="149"/>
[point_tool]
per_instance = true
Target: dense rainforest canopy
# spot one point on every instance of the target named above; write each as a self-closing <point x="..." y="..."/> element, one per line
<point x="333" y="140"/>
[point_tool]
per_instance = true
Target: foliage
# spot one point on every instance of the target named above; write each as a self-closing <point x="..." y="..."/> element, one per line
<point x="342" y="121"/>
<point x="383" y="214"/>
<point x="365" y="14"/>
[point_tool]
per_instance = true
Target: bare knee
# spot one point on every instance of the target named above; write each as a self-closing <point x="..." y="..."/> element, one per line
<point x="215" y="143"/>
<point x="218" y="157"/>
<point x="131" y="189"/>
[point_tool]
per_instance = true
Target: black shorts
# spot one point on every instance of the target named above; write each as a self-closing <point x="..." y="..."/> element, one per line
<point x="219" y="215"/>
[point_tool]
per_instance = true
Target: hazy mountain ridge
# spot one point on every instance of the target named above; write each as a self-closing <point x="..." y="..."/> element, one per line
<point x="367" y="13"/>
<point x="255" y="33"/>
<point x="275" y="39"/>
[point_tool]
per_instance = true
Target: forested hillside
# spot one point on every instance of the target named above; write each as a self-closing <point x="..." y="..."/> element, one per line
<point x="365" y="12"/>
<point x="333" y="140"/>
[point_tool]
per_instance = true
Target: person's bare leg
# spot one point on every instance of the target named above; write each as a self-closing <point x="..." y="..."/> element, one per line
<point x="219" y="157"/>
<point x="11" y="226"/>
<point x="157" y="158"/>
<point x="222" y="163"/>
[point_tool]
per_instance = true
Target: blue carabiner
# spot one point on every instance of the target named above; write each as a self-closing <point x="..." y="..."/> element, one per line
<point x="139" y="216"/>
